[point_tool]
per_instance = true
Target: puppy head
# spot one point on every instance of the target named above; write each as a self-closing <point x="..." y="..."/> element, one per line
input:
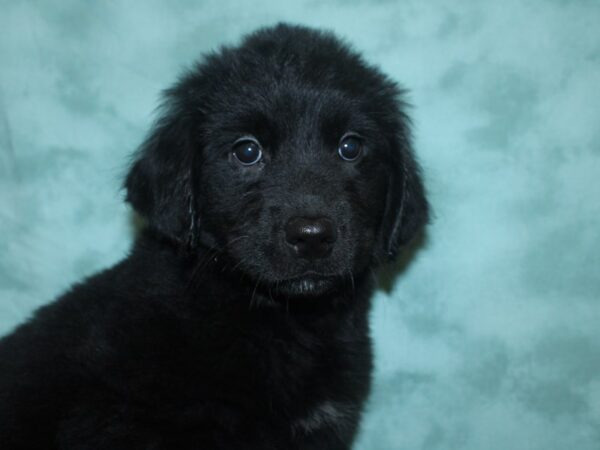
<point x="290" y="156"/>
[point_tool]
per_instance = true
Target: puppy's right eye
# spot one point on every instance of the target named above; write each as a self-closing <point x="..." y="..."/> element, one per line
<point x="247" y="151"/>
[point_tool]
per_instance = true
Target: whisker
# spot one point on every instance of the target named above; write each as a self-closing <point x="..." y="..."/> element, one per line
<point x="254" y="292"/>
<point x="210" y="255"/>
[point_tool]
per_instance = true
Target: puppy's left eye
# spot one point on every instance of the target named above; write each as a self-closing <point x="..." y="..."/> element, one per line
<point x="350" y="148"/>
<point x="247" y="151"/>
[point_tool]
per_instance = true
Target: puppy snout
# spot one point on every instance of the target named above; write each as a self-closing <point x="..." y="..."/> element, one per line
<point x="310" y="238"/>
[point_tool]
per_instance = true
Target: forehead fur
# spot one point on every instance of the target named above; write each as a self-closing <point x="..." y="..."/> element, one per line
<point x="287" y="58"/>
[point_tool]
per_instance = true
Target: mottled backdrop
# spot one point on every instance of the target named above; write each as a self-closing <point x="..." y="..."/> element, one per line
<point x="491" y="338"/>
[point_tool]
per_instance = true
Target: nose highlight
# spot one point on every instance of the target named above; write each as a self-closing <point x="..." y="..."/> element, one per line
<point x="310" y="238"/>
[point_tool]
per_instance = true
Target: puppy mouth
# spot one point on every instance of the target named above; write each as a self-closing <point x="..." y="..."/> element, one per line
<point x="308" y="284"/>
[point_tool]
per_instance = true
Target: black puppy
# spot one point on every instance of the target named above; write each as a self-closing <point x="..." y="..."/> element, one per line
<point x="278" y="176"/>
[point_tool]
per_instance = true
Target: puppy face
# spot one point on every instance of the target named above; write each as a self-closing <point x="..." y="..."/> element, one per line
<point x="293" y="185"/>
<point x="288" y="154"/>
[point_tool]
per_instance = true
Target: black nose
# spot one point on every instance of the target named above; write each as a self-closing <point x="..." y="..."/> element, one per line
<point x="311" y="238"/>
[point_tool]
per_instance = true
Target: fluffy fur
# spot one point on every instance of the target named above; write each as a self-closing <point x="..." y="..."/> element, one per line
<point x="214" y="333"/>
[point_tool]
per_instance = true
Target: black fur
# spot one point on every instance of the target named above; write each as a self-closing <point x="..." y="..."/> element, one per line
<point x="212" y="334"/>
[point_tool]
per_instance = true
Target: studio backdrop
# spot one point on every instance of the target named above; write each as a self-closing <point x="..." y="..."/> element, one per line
<point x="490" y="339"/>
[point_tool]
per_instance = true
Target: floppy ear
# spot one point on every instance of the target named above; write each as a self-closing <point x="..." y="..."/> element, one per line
<point x="406" y="210"/>
<point x="159" y="184"/>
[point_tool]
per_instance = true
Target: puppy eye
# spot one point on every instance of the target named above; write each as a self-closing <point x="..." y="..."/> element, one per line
<point x="247" y="151"/>
<point x="350" y="148"/>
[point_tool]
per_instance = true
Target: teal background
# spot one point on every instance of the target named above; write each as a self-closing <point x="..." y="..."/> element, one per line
<point x="491" y="338"/>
